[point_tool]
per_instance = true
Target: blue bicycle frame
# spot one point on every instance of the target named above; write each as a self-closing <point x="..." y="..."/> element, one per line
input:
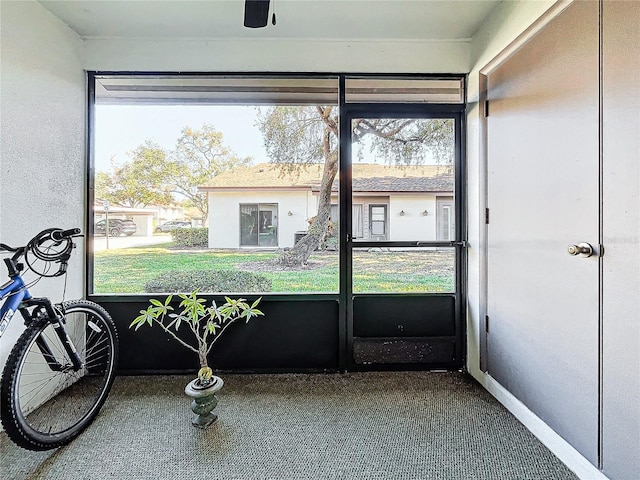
<point x="19" y="299"/>
<point x="17" y="292"/>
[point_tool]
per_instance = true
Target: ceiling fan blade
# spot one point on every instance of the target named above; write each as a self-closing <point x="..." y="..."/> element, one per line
<point x="256" y="13"/>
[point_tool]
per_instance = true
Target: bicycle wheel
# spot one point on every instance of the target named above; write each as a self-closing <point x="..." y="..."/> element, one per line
<point x="45" y="403"/>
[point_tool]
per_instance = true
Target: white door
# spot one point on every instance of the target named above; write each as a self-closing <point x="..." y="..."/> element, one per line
<point x="543" y="195"/>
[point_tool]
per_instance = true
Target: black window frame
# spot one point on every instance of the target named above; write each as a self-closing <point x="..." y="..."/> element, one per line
<point x="455" y="111"/>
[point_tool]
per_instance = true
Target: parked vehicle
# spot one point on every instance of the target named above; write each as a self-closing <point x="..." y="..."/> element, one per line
<point x="168" y="226"/>
<point x="117" y="227"/>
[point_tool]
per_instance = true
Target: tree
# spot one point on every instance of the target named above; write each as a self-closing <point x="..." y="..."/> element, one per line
<point x="199" y="156"/>
<point x="154" y="176"/>
<point x="139" y="182"/>
<point x="299" y="136"/>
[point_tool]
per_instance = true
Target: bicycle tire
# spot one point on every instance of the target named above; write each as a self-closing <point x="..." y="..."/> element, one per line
<point x="35" y="415"/>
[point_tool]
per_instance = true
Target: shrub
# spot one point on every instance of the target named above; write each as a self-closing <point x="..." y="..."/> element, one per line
<point x="190" y="237"/>
<point x="208" y="281"/>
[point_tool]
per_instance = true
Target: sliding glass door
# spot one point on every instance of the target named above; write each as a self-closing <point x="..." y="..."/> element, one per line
<point x="259" y="225"/>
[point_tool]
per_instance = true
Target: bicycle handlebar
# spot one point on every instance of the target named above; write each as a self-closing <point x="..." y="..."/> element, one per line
<point x="4" y="246"/>
<point x="56" y="235"/>
<point x="64" y="234"/>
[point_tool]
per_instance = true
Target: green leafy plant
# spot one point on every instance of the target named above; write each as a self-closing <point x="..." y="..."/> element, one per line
<point x="207" y="323"/>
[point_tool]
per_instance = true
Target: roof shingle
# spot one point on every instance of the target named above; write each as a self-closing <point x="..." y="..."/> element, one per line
<point x="366" y="178"/>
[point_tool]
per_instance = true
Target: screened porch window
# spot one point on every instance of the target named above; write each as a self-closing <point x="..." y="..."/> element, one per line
<point x="160" y="133"/>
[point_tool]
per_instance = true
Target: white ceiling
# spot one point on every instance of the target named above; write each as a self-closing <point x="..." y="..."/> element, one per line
<point x="304" y="19"/>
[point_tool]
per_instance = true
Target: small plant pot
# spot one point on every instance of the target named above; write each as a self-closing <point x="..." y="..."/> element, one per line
<point x="204" y="400"/>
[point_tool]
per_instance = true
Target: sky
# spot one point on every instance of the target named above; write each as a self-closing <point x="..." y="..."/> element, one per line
<point x="122" y="128"/>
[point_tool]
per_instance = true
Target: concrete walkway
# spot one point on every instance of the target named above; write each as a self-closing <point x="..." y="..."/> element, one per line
<point x="100" y="242"/>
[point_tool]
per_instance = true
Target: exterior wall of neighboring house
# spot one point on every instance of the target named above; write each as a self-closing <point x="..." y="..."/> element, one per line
<point x="389" y="203"/>
<point x="225" y="210"/>
<point x="165" y="214"/>
<point x="144" y="224"/>
<point x="407" y="220"/>
<point x="413" y="224"/>
<point x="224" y="214"/>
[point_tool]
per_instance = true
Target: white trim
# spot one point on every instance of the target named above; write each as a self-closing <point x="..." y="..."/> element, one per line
<point x="559" y="447"/>
<point x="525" y="36"/>
<point x="363" y="40"/>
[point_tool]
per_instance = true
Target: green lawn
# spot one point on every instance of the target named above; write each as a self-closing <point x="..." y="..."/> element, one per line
<point x="127" y="270"/>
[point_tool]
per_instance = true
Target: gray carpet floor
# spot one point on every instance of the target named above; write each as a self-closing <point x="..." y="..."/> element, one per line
<point x="400" y="425"/>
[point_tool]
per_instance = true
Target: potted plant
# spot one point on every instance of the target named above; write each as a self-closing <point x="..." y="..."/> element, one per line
<point x="207" y="324"/>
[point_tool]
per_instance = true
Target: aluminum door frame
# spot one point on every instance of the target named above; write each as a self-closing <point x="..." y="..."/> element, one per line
<point x="351" y="111"/>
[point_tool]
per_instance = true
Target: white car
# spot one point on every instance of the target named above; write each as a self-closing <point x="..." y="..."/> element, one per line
<point x="168" y="226"/>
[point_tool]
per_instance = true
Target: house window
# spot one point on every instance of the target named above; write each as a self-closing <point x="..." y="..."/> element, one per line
<point x="378" y="221"/>
<point x="259" y="225"/>
<point x="356" y="218"/>
<point x="445" y="219"/>
<point x="356" y="221"/>
<point x="446" y="222"/>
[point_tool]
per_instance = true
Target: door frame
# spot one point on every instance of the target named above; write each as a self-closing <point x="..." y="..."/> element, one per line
<point x="483" y="167"/>
<point x="348" y="112"/>
<point x="386" y="221"/>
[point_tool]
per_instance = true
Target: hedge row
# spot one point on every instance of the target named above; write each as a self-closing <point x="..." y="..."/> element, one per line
<point x="208" y="281"/>
<point x="190" y="237"/>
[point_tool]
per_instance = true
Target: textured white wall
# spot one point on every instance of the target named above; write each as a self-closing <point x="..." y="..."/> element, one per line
<point x="413" y="225"/>
<point x="277" y="55"/>
<point x="42" y="182"/>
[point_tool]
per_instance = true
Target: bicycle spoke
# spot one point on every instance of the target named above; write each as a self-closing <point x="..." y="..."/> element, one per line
<point x="43" y="397"/>
<point x="45" y="401"/>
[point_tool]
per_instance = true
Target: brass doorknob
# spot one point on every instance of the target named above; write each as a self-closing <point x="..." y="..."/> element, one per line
<point x="583" y="249"/>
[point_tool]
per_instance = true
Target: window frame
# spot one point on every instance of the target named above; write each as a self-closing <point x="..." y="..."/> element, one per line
<point x="435" y="110"/>
<point x="333" y="351"/>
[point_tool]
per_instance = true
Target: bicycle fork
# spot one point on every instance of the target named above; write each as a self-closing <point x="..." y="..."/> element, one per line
<point x="56" y="319"/>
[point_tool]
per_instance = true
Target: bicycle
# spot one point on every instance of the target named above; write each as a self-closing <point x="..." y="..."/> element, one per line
<point x="60" y="370"/>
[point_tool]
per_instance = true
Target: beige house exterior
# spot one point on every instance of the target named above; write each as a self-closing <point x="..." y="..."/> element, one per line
<point x="269" y="205"/>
